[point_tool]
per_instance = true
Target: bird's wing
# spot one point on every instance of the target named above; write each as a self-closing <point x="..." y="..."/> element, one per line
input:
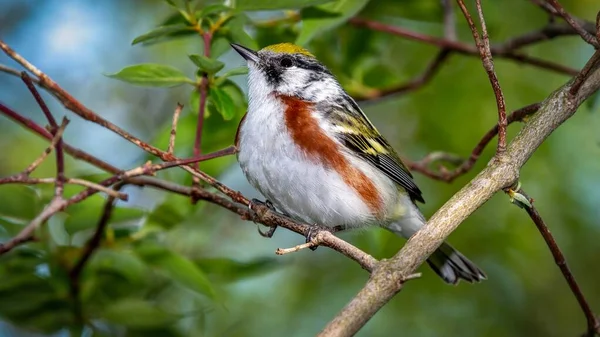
<point x="354" y="130"/>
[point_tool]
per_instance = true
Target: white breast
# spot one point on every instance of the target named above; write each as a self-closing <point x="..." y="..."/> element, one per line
<point x="303" y="189"/>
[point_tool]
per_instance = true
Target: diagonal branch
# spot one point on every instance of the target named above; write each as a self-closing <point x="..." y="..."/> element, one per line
<point x="443" y="174"/>
<point x="413" y="84"/>
<point x="500" y="50"/>
<point x="60" y="157"/>
<point x="585" y="35"/>
<point x="483" y="44"/>
<point x="387" y="277"/>
<point x="88" y="251"/>
<point x="593" y="325"/>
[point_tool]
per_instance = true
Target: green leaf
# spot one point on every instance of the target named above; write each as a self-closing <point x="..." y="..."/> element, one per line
<point x="85" y="215"/>
<point x="137" y="313"/>
<point x="230" y="73"/>
<point x="222" y="102"/>
<point x="19" y="203"/>
<point x="169" y="214"/>
<point x="56" y="229"/>
<point x="208" y="65"/>
<point x="212" y="9"/>
<point x="235" y="31"/>
<point x="219" y="45"/>
<point x="237" y="96"/>
<point x="194" y="104"/>
<point x="255" y="5"/>
<point x="162" y="32"/>
<point x="124" y="263"/>
<point x="326" y="17"/>
<point x="178" y="267"/>
<point x="152" y="75"/>
<point x="181" y="11"/>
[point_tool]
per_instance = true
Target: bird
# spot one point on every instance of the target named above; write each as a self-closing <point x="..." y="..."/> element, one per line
<point x="310" y="150"/>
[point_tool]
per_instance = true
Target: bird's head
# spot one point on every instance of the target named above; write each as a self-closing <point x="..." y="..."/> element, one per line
<point x="287" y="69"/>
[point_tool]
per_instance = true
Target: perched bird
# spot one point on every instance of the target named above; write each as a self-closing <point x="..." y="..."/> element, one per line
<point x="310" y="150"/>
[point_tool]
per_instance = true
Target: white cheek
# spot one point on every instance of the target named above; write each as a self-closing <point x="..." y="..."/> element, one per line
<point x="293" y="80"/>
<point x="258" y="87"/>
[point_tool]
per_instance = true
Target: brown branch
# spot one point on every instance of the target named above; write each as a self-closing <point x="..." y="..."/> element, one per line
<point x="501" y="50"/>
<point x="203" y="92"/>
<point x="40" y="131"/>
<point x="20" y="179"/>
<point x="173" y="133"/>
<point x="31" y="167"/>
<point x="412" y="85"/>
<point x="77" y="107"/>
<point x="585" y="35"/>
<point x="60" y="157"/>
<point x="422" y="166"/>
<point x="583" y="74"/>
<point x="74" y="105"/>
<point x="387" y="276"/>
<point x="88" y="251"/>
<point x="483" y="45"/>
<point x="593" y="325"/>
<point x="260" y="214"/>
<point x="26" y="235"/>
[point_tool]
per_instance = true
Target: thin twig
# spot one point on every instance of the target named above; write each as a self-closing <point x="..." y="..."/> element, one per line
<point x="40" y="131"/>
<point x="421" y="166"/>
<point x="20" y="179"/>
<point x="38" y="98"/>
<point x="583" y="74"/>
<point x="109" y="191"/>
<point x="77" y="107"/>
<point x="50" y="148"/>
<point x="483" y="44"/>
<point x="88" y="251"/>
<point x="585" y="35"/>
<point x="413" y="84"/>
<point x="593" y="325"/>
<point x="55" y="205"/>
<point x="173" y="134"/>
<point x="60" y="157"/>
<point x="203" y="92"/>
<point x="283" y="251"/>
<point x="500" y="50"/>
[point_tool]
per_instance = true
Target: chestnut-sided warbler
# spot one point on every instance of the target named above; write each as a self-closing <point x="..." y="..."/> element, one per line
<point x="309" y="149"/>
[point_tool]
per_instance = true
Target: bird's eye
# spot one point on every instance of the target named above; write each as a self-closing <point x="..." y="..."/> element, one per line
<point x="286" y="62"/>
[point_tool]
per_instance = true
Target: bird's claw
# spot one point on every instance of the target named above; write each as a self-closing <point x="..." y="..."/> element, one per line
<point x="271" y="207"/>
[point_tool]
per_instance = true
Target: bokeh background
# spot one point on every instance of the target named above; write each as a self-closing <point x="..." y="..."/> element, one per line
<point x="259" y="294"/>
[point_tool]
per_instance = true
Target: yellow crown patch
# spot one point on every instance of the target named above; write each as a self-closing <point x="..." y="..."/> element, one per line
<point x="288" y="48"/>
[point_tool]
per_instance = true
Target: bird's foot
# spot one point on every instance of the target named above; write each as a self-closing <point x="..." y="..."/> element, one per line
<point x="315" y="229"/>
<point x="271" y="207"/>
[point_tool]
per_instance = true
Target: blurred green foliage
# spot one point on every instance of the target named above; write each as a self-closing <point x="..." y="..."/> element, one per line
<point x="170" y="268"/>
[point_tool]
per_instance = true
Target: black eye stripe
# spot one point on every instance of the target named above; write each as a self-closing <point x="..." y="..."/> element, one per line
<point x="302" y="62"/>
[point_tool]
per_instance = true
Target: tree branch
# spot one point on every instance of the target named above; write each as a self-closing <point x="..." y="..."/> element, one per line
<point x="60" y="157"/>
<point x="593" y="325"/>
<point x="443" y="174"/>
<point x="501" y="50"/>
<point x="88" y="250"/>
<point x="203" y="92"/>
<point x="483" y="44"/>
<point x="502" y="172"/>
<point x="585" y="35"/>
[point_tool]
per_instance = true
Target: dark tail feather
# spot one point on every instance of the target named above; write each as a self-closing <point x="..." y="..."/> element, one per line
<point x="452" y="266"/>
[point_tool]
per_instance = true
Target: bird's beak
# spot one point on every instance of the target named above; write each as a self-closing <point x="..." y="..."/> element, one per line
<point x="248" y="54"/>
